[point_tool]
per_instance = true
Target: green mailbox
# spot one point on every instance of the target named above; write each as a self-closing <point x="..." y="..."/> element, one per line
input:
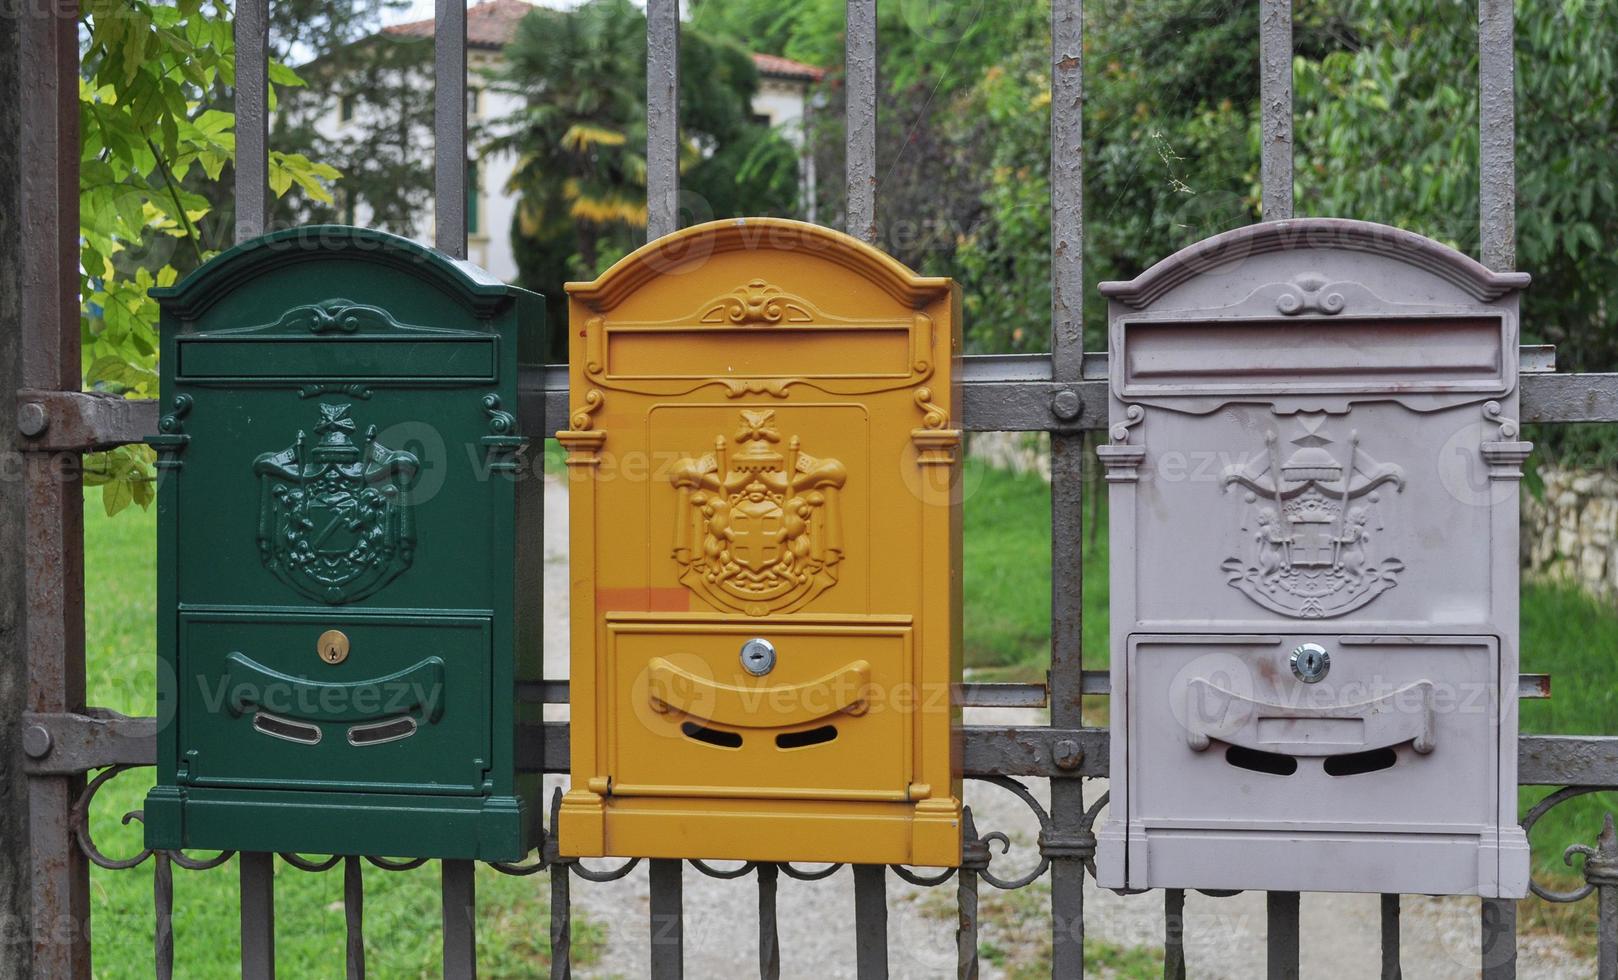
<point x="349" y="559"/>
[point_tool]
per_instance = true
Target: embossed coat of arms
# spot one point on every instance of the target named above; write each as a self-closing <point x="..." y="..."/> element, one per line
<point x="1311" y="521"/>
<point x="334" y="515"/>
<point x="758" y="530"/>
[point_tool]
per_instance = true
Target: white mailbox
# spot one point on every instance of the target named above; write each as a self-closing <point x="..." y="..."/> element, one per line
<point x="1314" y="466"/>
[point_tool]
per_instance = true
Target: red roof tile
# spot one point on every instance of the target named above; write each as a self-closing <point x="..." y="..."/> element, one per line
<point x="488" y="25"/>
<point x="494" y="23"/>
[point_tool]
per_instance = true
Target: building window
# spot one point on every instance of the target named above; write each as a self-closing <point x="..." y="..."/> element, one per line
<point x="345" y="108"/>
<point x="474" y="102"/>
<point x="474" y="220"/>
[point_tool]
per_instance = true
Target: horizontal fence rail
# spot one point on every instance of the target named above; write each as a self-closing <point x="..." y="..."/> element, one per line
<point x="1001" y="393"/>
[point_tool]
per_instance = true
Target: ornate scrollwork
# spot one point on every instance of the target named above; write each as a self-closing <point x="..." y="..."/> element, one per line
<point x="758" y="302"/>
<point x="724" y="874"/>
<point x="173" y="422"/>
<point x="1307" y="295"/>
<point x="815" y="875"/>
<point x="581" y="419"/>
<point x="501" y="423"/>
<point x="1493" y="411"/>
<point x="932" y="417"/>
<point x="1600" y="862"/>
<point x="80" y="817"/>
<point x="1133" y="416"/>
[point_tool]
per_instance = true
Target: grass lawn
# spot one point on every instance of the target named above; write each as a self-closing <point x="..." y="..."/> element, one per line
<point x="401" y="908"/>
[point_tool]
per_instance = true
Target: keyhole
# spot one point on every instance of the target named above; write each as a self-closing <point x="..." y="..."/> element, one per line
<point x="332" y="647"/>
<point x="758" y="656"/>
<point x="1310" y="662"/>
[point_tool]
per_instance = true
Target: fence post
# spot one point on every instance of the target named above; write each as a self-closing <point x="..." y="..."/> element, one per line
<point x="51" y="556"/>
<point x="859" y="86"/>
<point x="1275" y="107"/>
<point x="662" y="117"/>
<point x="15" y="901"/>
<point x="1069" y="841"/>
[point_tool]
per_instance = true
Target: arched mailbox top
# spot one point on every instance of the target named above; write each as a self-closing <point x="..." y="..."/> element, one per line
<point x="467" y="284"/>
<point x="689" y="250"/>
<point x="1225" y="253"/>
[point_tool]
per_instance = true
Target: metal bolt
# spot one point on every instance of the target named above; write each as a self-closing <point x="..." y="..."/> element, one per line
<point x="1066" y="405"/>
<point x="36" y="741"/>
<point x="1067" y="754"/>
<point x="31" y="418"/>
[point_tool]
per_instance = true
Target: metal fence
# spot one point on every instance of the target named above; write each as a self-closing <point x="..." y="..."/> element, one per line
<point x="59" y="752"/>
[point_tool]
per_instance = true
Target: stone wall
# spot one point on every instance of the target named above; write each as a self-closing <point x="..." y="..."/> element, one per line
<point x="1570" y="531"/>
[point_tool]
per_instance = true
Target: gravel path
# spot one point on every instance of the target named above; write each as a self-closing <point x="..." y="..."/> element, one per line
<point x="1224" y="937"/>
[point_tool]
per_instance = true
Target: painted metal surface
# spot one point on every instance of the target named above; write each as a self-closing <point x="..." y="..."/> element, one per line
<point x="347" y="569"/>
<point x="762" y="430"/>
<point x="1314" y="465"/>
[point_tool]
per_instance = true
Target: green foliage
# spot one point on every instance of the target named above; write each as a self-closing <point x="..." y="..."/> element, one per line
<point x="1387" y="131"/>
<point x="146" y="124"/>
<point x="580" y="142"/>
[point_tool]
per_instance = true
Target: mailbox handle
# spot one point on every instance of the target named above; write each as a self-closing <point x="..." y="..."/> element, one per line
<point x="251" y="685"/>
<point x="765" y="706"/>
<point x="1404" y="715"/>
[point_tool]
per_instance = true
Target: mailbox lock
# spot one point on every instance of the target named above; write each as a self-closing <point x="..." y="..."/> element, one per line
<point x="333" y="646"/>
<point x="758" y="656"/>
<point x="1310" y="662"/>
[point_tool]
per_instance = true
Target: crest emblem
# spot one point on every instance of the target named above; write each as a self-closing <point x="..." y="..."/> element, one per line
<point x="1311" y="519"/>
<point x="758" y="530"/>
<point x="334" y="516"/>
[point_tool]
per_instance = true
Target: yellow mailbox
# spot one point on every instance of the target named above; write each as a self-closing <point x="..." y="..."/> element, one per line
<point x="765" y="552"/>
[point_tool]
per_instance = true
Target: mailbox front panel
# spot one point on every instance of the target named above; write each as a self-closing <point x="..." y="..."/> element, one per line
<point x="765" y="553"/>
<point x="344" y="530"/>
<point x="1314" y="466"/>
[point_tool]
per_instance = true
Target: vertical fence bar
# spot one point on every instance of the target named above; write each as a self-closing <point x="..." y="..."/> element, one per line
<point x="1497" y="238"/>
<point x="667" y="919"/>
<point x="1281" y="913"/>
<point x="449" y="128"/>
<point x="52" y="551"/>
<point x="974" y="859"/>
<point x="257" y="870"/>
<point x="769" y="938"/>
<point x="252" y="30"/>
<point x="15" y="860"/>
<point x="460" y="891"/>
<point x="1275" y="101"/>
<point x="859" y="88"/>
<point x="1497" y="120"/>
<point x="1275" y="172"/>
<point x="1390" y="938"/>
<point x="871" y="921"/>
<point x="1069" y="841"/>
<point x="561" y="922"/>
<point x="163" y="915"/>
<point x="662" y="117"/>
<point x="354" y="917"/>
<point x="1174" y="934"/>
<point x="1498" y="917"/>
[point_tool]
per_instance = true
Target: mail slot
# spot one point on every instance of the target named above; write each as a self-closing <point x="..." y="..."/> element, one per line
<point x="765" y="549"/>
<point x="1314" y="464"/>
<point x="345" y="518"/>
